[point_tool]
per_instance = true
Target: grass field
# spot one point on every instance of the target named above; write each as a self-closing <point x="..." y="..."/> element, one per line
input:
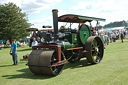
<point x="113" y="69"/>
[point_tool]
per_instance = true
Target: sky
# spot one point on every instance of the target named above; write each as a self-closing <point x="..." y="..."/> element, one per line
<point x="39" y="12"/>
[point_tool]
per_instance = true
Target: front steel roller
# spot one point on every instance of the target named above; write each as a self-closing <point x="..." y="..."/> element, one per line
<point x="40" y="62"/>
<point x="95" y="49"/>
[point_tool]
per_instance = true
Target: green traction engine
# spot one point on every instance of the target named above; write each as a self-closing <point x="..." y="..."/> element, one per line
<point x="66" y="45"/>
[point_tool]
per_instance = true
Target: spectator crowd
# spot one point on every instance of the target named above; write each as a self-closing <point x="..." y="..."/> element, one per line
<point x="109" y="37"/>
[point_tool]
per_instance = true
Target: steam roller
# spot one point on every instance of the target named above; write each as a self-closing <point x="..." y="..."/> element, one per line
<point x="66" y="45"/>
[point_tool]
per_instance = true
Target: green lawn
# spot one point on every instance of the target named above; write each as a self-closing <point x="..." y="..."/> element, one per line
<point x="113" y="69"/>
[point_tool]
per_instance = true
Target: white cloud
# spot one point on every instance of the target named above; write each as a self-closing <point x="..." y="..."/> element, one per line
<point x="35" y="6"/>
<point x="44" y="20"/>
<point x="62" y="12"/>
<point x="17" y="2"/>
<point x="32" y="6"/>
<point x="48" y="1"/>
<point x="111" y="10"/>
<point x="47" y="19"/>
<point x="83" y="5"/>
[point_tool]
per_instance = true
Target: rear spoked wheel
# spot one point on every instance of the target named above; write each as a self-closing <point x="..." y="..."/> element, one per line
<point x="95" y="49"/>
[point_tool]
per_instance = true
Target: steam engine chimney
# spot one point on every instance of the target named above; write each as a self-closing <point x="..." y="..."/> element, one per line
<point x="55" y="23"/>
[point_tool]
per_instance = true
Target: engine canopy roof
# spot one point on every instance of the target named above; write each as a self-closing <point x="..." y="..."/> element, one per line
<point x="78" y="18"/>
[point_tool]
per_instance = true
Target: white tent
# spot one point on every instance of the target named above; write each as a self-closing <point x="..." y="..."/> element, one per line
<point x="118" y="28"/>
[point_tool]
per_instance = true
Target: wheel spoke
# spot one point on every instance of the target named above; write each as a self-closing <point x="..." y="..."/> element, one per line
<point x="99" y="52"/>
<point x="97" y="46"/>
<point x="94" y="57"/>
<point x="96" y="51"/>
<point x="93" y="44"/>
<point x="97" y="57"/>
<point x="92" y="50"/>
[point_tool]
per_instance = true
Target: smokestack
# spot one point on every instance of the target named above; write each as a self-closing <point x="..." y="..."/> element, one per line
<point x="55" y="23"/>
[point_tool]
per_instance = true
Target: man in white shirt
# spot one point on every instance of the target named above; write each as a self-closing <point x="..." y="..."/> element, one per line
<point x="34" y="43"/>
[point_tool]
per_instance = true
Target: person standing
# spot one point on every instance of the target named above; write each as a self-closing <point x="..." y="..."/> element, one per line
<point x="110" y="37"/>
<point x="106" y="39"/>
<point x="114" y="37"/>
<point x="13" y="52"/>
<point x="124" y="34"/>
<point x="121" y="36"/>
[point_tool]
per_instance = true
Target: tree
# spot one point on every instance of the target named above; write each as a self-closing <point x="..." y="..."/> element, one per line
<point x="116" y="24"/>
<point x="13" y="23"/>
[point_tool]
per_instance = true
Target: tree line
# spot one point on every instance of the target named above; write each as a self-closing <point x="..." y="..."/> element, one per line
<point x="116" y="24"/>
